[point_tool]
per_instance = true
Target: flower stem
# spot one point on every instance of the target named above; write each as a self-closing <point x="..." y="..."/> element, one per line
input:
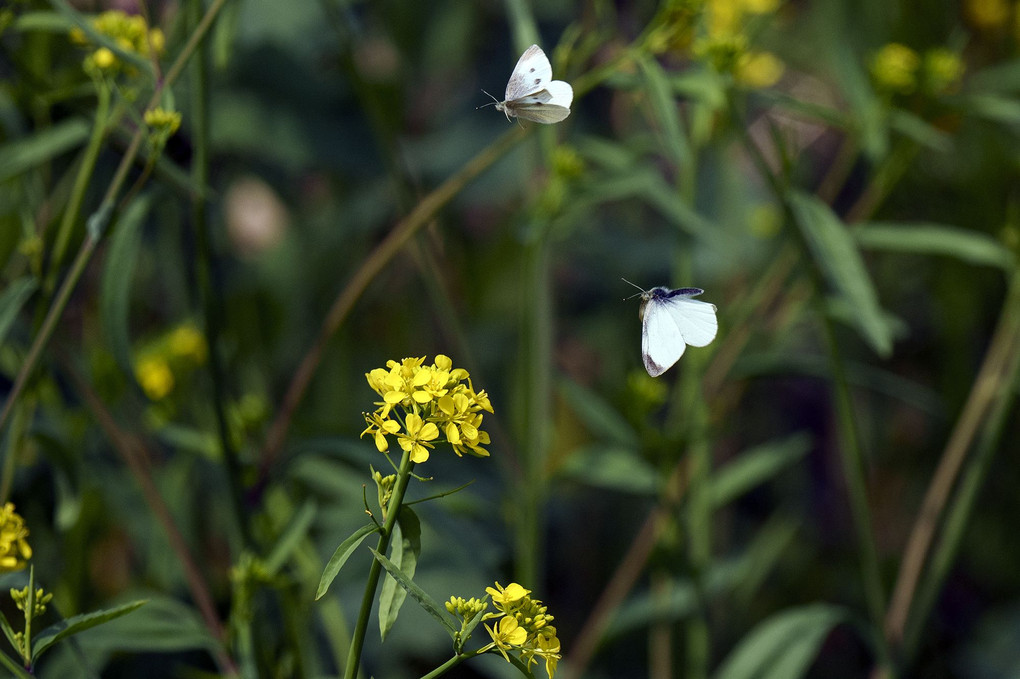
<point x="448" y="665"/>
<point x="375" y="570"/>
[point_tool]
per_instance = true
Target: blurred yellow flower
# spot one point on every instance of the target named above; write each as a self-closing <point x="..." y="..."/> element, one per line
<point x="758" y="69"/>
<point x="186" y="341"/>
<point x="942" y="69"/>
<point x="14" y="549"/>
<point x="987" y="14"/>
<point x="131" y="34"/>
<point x="894" y="68"/>
<point x="155" y="377"/>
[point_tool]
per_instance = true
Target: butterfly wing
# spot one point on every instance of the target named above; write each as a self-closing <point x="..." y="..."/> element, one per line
<point x="695" y="320"/>
<point x="662" y="343"/>
<point x="550" y="105"/>
<point x="531" y="74"/>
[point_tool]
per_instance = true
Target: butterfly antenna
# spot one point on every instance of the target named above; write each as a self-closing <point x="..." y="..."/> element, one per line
<point x="491" y="103"/>
<point x="643" y="291"/>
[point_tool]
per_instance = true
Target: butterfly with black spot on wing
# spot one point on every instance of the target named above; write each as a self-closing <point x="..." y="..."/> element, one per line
<point x="670" y="320"/>
<point x="531" y="93"/>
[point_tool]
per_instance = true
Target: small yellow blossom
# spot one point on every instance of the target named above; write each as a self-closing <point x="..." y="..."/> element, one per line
<point x="14" y="549"/>
<point x="379" y="428"/>
<point x="508" y="633"/>
<point x="987" y="14"/>
<point x="42" y="597"/>
<point x="186" y="341"/>
<point x="504" y="596"/>
<point x="942" y="70"/>
<point x="416" y="440"/>
<point x="758" y="70"/>
<point x="894" y="68"/>
<point x="155" y="377"/>
<point x="129" y="32"/>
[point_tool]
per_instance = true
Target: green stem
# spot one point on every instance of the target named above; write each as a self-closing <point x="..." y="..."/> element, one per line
<point x="208" y="290"/>
<point x="372" y="583"/>
<point x="448" y="665"/>
<point x="983" y="418"/>
<point x="81" y="182"/>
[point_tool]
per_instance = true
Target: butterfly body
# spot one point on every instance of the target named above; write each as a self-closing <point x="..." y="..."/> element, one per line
<point x="531" y="93"/>
<point x="671" y="320"/>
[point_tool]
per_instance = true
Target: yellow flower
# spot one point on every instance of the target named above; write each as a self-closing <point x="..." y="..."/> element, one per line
<point x="379" y="427"/>
<point x="758" y="69"/>
<point x="435" y="399"/>
<point x="415" y="441"/>
<point x="14" y="549"/>
<point x="508" y="633"/>
<point x="103" y="58"/>
<point x="154" y="375"/>
<point x="987" y="14"/>
<point x="942" y="69"/>
<point x="505" y="596"/>
<point x="894" y="68"/>
<point x="186" y="341"/>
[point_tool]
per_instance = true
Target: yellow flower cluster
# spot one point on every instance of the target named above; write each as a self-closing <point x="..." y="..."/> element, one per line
<point x="725" y="44"/>
<point x="423" y="402"/>
<point x="181" y="349"/>
<point x="898" y="69"/>
<point x="14" y="549"/>
<point x="522" y="626"/>
<point x="131" y="34"/>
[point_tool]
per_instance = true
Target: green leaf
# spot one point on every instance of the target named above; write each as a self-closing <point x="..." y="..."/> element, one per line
<point x="418" y="594"/>
<point x="837" y="256"/>
<point x="783" y="646"/>
<point x="920" y="130"/>
<point x="23" y="154"/>
<point x="14" y="667"/>
<point x="76" y="624"/>
<point x="1000" y="109"/>
<point x="340" y="556"/>
<point x="5" y="625"/>
<point x="117" y="280"/>
<point x="935" y="239"/>
<point x="615" y="467"/>
<point x="664" y="106"/>
<point x="16" y="294"/>
<point x="601" y="419"/>
<point x="290" y="537"/>
<point x="49" y="22"/>
<point x="405" y="550"/>
<point x="1000" y="77"/>
<point x="756" y="466"/>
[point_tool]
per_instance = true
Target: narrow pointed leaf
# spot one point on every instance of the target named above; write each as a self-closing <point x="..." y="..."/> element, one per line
<point x="290" y="537"/>
<point x="836" y="254"/>
<point x="118" y="279"/>
<point x="23" y="154"/>
<point x="755" y="467"/>
<point x="418" y="594"/>
<point x="77" y="623"/>
<point x="405" y="550"/>
<point x="783" y="646"/>
<point x="936" y="239"/>
<point x="340" y="556"/>
<point x="11" y="301"/>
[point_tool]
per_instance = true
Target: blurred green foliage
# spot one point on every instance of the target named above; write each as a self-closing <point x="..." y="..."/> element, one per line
<point x="187" y="317"/>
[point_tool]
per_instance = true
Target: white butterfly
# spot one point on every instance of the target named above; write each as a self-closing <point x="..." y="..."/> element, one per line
<point x="670" y="321"/>
<point x="531" y="94"/>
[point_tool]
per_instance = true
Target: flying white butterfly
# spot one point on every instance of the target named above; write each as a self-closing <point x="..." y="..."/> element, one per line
<point x="531" y="94"/>
<point x="670" y="320"/>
